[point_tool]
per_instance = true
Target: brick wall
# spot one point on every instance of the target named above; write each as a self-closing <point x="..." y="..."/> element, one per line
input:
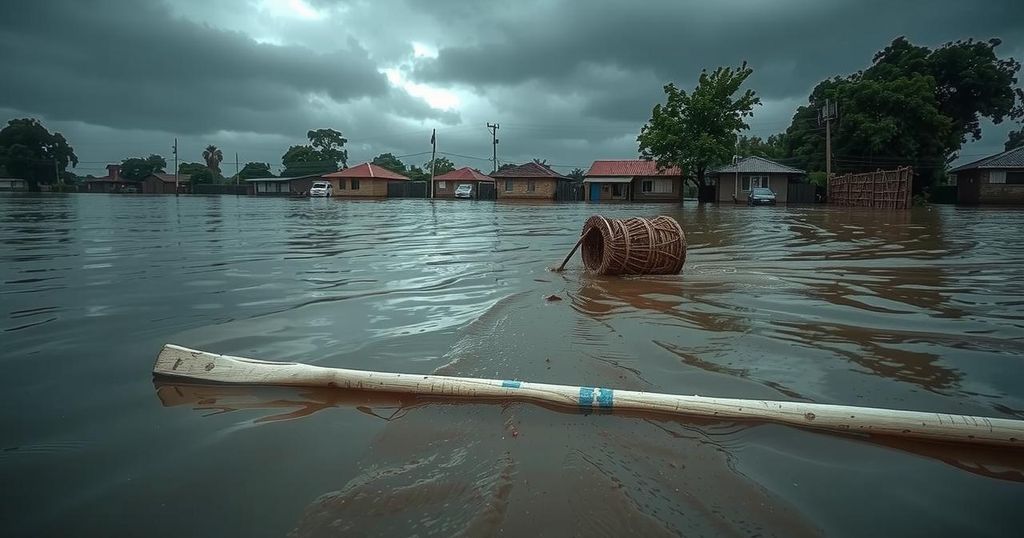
<point x="544" y="188"/>
<point x="368" y="188"/>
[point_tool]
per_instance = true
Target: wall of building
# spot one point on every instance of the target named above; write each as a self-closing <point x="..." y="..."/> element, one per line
<point x="449" y="190"/>
<point x="674" y="196"/>
<point x="368" y="188"/>
<point x="544" y="188"/>
<point x="727" y="187"/>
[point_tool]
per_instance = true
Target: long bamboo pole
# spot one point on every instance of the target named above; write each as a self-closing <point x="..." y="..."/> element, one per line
<point x="188" y="363"/>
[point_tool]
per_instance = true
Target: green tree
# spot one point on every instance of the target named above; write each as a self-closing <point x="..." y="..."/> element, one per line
<point x="506" y="166"/>
<point x="416" y="173"/>
<point x="187" y="170"/>
<point x="390" y="162"/>
<point x="697" y="130"/>
<point x="330" y="144"/>
<point x="202" y="176"/>
<point x="254" y="170"/>
<point x="773" y="147"/>
<point x="323" y="154"/>
<point x="913" y="106"/>
<point x="213" y="157"/>
<point x="29" y="151"/>
<point x="577" y="174"/>
<point x="442" y="165"/>
<point x="136" y="168"/>
<point x="1014" y="139"/>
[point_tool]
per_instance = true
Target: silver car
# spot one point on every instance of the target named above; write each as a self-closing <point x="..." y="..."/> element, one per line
<point x="464" y="191"/>
<point x="321" y="189"/>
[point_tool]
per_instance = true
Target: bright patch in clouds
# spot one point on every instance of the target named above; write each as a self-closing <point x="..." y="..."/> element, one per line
<point x="291" y="8"/>
<point x="435" y="97"/>
<point x="419" y="50"/>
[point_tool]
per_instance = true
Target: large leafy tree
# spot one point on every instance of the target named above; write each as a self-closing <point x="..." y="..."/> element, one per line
<point x="773" y="147"/>
<point x="1014" y="139"/>
<point x="254" y="170"/>
<point x="697" y="130"/>
<point x="136" y="168"/>
<point x="390" y="162"/>
<point x="324" y="153"/>
<point x="187" y="170"/>
<point x="213" y="157"/>
<point x="913" y="106"/>
<point x="29" y="151"/>
<point x="442" y="165"/>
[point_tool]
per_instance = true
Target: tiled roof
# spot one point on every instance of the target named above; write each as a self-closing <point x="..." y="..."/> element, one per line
<point x="169" y="178"/>
<point x="1013" y="158"/>
<point x="464" y="174"/>
<point x="366" y="171"/>
<point x="757" y="165"/>
<point x="633" y="167"/>
<point x="530" y="169"/>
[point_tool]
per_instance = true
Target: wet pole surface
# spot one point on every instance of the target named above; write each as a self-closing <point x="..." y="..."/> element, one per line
<point x="916" y="309"/>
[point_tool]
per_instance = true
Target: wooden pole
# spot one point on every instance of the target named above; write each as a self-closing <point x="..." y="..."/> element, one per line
<point x="188" y="363"/>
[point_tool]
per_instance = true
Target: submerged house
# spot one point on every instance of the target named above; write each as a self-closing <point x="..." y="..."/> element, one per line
<point x="735" y="181"/>
<point x="10" y="183"/>
<point x="160" y="183"/>
<point x="362" y="181"/>
<point x="281" y="186"/>
<point x="445" y="184"/>
<point x="530" y="181"/>
<point x="634" y="180"/>
<point x="111" y="183"/>
<point x="998" y="179"/>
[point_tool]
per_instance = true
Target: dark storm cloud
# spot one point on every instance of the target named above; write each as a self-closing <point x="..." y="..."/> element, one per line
<point x="791" y="45"/>
<point x="133" y="65"/>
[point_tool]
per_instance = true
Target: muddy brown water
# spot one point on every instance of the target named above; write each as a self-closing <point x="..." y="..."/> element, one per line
<point x="920" y="310"/>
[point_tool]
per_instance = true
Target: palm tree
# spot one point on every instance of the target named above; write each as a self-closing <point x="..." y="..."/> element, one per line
<point x="213" y="157"/>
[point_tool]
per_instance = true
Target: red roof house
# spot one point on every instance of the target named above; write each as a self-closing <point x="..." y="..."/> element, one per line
<point x="445" y="184"/>
<point x="634" y="180"/>
<point x="363" y="180"/>
<point x="528" y="181"/>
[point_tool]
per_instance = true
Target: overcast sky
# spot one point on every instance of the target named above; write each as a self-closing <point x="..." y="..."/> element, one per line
<point x="569" y="81"/>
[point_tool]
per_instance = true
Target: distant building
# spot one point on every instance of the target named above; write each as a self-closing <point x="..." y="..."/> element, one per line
<point x="998" y="179"/>
<point x="111" y="183"/>
<point x="445" y="184"/>
<point x="362" y="181"/>
<point x="10" y="183"/>
<point x="633" y="180"/>
<point x="281" y="186"/>
<point x="734" y="182"/>
<point x="530" y="181"/>
<point x="160" y="183"/>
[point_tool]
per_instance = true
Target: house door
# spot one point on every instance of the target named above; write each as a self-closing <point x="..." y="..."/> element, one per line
<point x="595" y="192"/>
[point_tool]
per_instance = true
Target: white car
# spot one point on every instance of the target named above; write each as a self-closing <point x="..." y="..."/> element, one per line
<point x="464" y="191"/>
<point x="321" y="189"/>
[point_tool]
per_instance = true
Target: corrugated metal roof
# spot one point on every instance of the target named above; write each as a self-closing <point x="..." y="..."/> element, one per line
<point x="366" y="171"/>
<point x="1013" y="158"/>
<point x="464" y="174"/>
<point x="757" y="165"/>
<point x="530" y="169"/>
<point x="630" y="167"/>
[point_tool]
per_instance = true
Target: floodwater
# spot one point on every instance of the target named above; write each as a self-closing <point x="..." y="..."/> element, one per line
<point x="918" y="310"/>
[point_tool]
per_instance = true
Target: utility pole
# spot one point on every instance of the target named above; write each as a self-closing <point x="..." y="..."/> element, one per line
<point x="60" y="180"/>
<point x="175" y="148"/>
<point x="433" y="159"/>
<point x="493" y="127"/>
<point x="827" y="114"/>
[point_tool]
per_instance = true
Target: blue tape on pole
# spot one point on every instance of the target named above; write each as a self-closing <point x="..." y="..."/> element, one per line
<point x="604" y="398"/>
<point x="586" y="398"/>
<point x="510" y="384"/>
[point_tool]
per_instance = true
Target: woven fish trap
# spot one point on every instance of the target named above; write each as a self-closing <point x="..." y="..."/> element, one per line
<point x="633" y="246"/>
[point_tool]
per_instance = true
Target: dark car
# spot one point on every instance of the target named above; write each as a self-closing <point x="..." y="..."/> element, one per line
<point x="761" y="196"/>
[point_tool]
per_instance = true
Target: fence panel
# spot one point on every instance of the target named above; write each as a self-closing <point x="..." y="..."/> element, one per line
<point x="888" y="189"/>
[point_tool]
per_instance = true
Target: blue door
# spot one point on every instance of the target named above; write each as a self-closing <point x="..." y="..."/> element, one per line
<point x="595" y="192"/>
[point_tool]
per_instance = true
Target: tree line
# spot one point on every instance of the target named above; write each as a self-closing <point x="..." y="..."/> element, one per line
<point x="913" y="106"/>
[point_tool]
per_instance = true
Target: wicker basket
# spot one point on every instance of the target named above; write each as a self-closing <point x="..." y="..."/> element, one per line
<point x="633" y="246"/>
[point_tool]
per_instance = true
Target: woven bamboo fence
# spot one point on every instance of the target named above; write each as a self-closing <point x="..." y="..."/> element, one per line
<point x="883" y="189"/>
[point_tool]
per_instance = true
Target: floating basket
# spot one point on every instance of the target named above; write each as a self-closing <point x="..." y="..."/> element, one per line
<point x="633" y="246"/>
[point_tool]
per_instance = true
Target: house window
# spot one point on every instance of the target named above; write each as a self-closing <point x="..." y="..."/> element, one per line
<point x="355" y="184"/>
<point x="647" y="186"/>
<point x="997" y="176"/>
<point x="754" y="182"/>
<point x="656" y="186"/>
<point x="341" y="185"/>
<point x="442" y="185"/>
<point x="531" y="185"/>
<point x="618" y="189"/>
<point x="508" y="185"/>
<point x="1015" y="178"/>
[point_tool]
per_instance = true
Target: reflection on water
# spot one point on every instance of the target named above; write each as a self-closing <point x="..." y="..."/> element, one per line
<point x="918" y="309"/>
